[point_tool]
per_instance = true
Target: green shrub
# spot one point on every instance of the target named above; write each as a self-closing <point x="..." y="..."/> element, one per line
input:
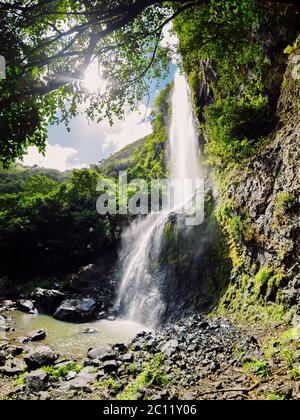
<point x="234" y="128"/>
<point x="285" y="202"/>
<point x="258" y="368"/>
<point x="62" y="371"/>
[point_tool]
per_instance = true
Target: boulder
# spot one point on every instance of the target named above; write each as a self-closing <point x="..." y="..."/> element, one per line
<point x="110" y="366"/>
<point x="128" y="358"/>
<point x="26" y="306"/>
<point x="101" y="353"/>
<point x="34" y="336"/>
<point x="76" y="310"/>
<point x="13" y="367"/>
<point x="71" y="375"/>
<point x="37" y="381"/>
<point x="47" y="301"/>
<point x="40" y="356"/>
<point x="2" y="320"/>
<point x="170" y="347"/>
<point x="2" y="358"/>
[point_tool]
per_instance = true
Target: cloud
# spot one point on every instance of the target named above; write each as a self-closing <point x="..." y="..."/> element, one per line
<point x="134" y="126"/>
<point x="168" y="36"/>
<point x="56" y="157"/>
<point x="89" y="141"/>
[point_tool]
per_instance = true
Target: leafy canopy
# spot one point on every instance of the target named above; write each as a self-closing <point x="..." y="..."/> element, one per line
<point x="49" y="44"/>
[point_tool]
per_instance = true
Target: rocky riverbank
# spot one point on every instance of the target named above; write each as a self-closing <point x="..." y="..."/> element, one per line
<point x="195" y="358"/>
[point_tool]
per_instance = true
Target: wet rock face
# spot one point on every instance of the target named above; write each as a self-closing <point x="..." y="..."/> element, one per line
<point x="76" y="310"/>
<point x="47" y="301"/>
<point x="190" y="262"/>
<point x="267" y="194"/>
<point x="27" y="306"/>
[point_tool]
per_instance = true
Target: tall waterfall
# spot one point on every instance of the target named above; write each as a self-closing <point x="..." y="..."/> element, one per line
<point x="139" y="296"/>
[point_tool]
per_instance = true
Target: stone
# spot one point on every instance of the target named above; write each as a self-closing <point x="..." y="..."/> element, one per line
<point x="99" y="352"/>
<point x="76" y="310"/>
<point x="2" y="358"/>
<point x="36" y="381"/>
<point x="89" y="331"/>
<point x="110" y="366"/>
<point x="13" y="368"/>
<point x="35" y="336"/>
<point x="128" y="358"/>
<point x="170" y="347"/>
<point x="120" y="347"/>
<point x="47" y="301"/>
<point x="71" y="375"/>
<point x="44" y="396"/>
<point x="3" y="320"/>
<point x="80" y="384"/>
<point x="285" y="391"/>
<point x="40" y="356"/>
<point x="26" y="306"/>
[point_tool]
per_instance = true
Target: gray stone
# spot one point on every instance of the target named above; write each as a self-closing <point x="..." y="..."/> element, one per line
<point x="36" y="381"/>
<point x="170" y="347"/>
<point x="76" y="310"/>
<point x="35" y="336"/>
<point x="80" y="384"/>
<point x="110" y="366"/>
<point x="2" y="358"/>
<point x="40" y="356"/>
<point x="47" y="301"/>
<point x="99" y="352"/>
<point x="26" y="306"/>
<point x="128" y="358"/>
<point x="71" y="375"/>
<point x="13" y="368"/>
<point x="89" y="331"/>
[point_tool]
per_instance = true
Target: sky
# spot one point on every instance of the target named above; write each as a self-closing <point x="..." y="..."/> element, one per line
<point x="88" y="142"/>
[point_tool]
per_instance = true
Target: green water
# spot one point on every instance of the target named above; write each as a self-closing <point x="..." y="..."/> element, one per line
<point x="69" y="339"/>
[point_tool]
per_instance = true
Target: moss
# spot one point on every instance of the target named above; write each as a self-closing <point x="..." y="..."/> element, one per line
<point x="108" y="384"/>
<point x="290" y="49"/>
<point x="295" y="373"/>
<point x="152" y="374"/>
<point x="261" y="280"/>
<point x="20" y="380"/>
<point x="285" y="203"/>
<point x="258" y="368"/>
<point x="285" y="349"/>
<point x="234" y="128"/>
<point x="132" y="369"/>
<point x="274" y="397"/>
<point x="61" y="371"/>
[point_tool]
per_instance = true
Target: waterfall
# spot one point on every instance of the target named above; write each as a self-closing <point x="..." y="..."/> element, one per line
<point x="139" y="296"/>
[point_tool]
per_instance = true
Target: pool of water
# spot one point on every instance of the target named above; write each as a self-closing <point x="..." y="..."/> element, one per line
<point x="69" y="339"/>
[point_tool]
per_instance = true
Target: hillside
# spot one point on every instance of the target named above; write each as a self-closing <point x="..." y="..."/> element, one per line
<point x="124" y="159"/>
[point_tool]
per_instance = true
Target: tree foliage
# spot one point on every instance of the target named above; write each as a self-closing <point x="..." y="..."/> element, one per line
<point x="49" y="44"/>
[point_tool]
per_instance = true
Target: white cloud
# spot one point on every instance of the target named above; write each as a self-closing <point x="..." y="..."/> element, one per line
<point x="89" y="141"/>
<point x="169" y="39"/>
<point x="56" y="157"/>
<point x="134" y="126"/>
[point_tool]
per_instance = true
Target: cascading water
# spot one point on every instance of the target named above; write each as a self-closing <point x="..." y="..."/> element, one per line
<point x="139" y="297"/>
